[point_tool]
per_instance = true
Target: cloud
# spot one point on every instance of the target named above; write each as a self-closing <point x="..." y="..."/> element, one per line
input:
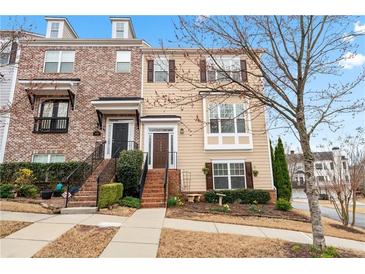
<point x="352" y="60"/>
<point x="358" y="28"/>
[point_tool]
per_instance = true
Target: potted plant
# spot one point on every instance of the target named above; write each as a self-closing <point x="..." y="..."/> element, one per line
<point x="46" y="194"/>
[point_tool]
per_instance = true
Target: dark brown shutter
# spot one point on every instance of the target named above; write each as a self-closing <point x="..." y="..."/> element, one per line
<point x="150" y="71"/>
<point x="203" y="71"/>
<point x="13" y="52"/>
<point x="243" y="70"/>
<point x="249" y="178"/>
<point x="209" y="176"/>
<point x="171" y="71"/>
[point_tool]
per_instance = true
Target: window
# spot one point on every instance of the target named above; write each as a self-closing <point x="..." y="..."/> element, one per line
<point x="161" y="70"/>
<point x="52" y="117"/>
<point x="48" y="158"/>
<point x="301" y="180"/>
<point x="229" y="175"/>
<point x="54" y="108"/>
<point x="59" y="61"/>
<point x="319" y="166"/>
<point x="5" y="55"/>
<point x="320" y="178"/>
<point x="331" y="166"/>
<point x="344" y="165"/>
<point x="55" y="27"/>
<point x="119" y="30"/>
<point x="123" y="61"/>
<point x="227" y="118"/>
<point x="218" y="69"/>
<point x="347" y="178"/>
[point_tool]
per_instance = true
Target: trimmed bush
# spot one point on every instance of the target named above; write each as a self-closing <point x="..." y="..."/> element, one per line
<point x="6" y="190"/>
<point x="174" y="201"/>
<point x="130" y="202"/>
<point x="110" y="194"/>
<point x="51" y="171"/>
<point x="283" y="204"/>
<point x="129" y="170"/>
<point x="28" y="191"/>
<point x="244" y="196"/>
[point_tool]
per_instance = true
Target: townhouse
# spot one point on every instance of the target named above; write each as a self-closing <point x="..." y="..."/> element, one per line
<point x="73" y="95"/>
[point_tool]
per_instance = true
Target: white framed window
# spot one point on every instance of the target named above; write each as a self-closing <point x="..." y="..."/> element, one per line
<point x="48" y="158"/>
<point x="161" y="70"/>
<point x="119" y="29"/>
<point x="55" y="29"/>
<point x="229" y="174"/>
<point x="5" y="54"/>
<point x="123" y="61"/>
<point x="226" y="118"/>
<point x="59" y="61"/>
<point x="218" y="69"/>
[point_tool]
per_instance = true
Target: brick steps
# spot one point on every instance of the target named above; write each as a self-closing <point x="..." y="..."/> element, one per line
<point x="153" y="192"/>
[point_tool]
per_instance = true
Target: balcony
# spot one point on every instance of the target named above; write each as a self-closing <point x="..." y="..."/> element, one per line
<point x="50" y="125"/>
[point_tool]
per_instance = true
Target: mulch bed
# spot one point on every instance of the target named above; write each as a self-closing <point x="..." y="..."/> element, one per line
<point x="237" y="209"/>
<point x="79" y="242"/>
<point x="9" y="227"/>
<point x="347" y="228"/>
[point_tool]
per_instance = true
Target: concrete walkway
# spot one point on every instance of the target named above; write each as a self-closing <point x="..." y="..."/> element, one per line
<point x="138" y="235"/>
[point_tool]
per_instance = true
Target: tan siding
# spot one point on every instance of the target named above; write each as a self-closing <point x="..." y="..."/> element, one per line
<point x="191" y="154"/>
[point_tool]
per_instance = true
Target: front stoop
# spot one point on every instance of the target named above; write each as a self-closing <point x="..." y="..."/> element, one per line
<point x="86" y="197"/>
<point x="153" y="193"/>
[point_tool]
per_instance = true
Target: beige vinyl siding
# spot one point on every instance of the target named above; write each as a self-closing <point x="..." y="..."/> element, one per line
<point x="67" y="32"/>
<point x="191" y="154"/>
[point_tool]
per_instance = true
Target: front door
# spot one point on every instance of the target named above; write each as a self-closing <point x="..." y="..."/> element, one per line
<point x="160" y="149"/>
<point x="120" y="137"/>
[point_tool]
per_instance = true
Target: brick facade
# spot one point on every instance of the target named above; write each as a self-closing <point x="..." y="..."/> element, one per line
<point x="95" y="67"/>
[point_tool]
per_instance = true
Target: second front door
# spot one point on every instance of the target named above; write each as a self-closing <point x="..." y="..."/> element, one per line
<point x="160" y="149"/>
<point x="120" y="137"/>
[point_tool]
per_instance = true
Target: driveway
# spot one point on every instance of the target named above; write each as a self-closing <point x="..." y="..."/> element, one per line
<point x="330" y="212"/>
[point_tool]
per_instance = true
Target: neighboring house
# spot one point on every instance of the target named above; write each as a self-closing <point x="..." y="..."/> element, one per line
<point x="209" y="130"/>
<point x="73" y="94"/>
<point x="329" y="166"/>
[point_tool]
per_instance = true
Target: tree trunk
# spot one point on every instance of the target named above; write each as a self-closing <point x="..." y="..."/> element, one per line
<point x="312" y="190"/>
<point x="353" y="207"/>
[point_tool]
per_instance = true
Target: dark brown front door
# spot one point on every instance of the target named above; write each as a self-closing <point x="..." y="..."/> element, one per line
<point x="160" y="149"/>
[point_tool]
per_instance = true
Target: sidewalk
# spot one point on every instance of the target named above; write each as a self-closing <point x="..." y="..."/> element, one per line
<point x="138" y="235"/>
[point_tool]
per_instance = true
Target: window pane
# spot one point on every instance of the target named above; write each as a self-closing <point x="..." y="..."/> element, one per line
<point x="161" y="64"/>
<point x="238" y="182"/>
<point x="62" y="109"/>
<point x="40" y="158"/>
<point x="240" y="126"/>
<point x="236" y="169"/>
<point x="161" y="76"/>
<point x="57" y="158"/>
<point x="123" y="56"/>
<point x="236" y="75"/>
<point x="47" y="109"/>
<point x="220" y="169"/>
<point x="119" y="30"/>
<point x="221" y="182"/>
<point x="54" y="30"/>
<point x="123" y="67"/>
<point x="226" y="111"/>
<point x="4" y="58"/>
<point x="51" y="67"/>
<point x="67" y="67"/>
<point x="221" y="76"/>
<point x="240" y="110"/>
<point x="68" y="56"/>
<point x="213" y="111"/>
<point x="319" y="166"/>
<point x="211" y="75"/>
<point x="214" y="126"/>
<point x="52" y="56"/>
<point x="227" y="126"/>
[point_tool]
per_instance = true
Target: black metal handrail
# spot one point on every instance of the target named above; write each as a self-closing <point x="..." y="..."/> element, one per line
<point x="124" y="145"/>
<point x="166" y="184"/>
<point x="83" y="171"/>
<point x="50" y="124"/>
<point x="142" y="179"/>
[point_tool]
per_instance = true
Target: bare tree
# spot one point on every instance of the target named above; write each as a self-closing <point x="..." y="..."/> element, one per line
<point x="285" y="54"/>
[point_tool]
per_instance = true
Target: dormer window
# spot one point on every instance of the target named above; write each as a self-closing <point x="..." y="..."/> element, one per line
<point x="55" y="29"/>
<point x="119" y="30"/>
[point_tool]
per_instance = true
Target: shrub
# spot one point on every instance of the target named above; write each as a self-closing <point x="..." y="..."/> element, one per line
<point x="43" y="172"/>
<point x="27" y="190"/>
<point x="255" y="207"/>
<point x="225" y="209"/>
<point x="129" y="170"/>
<point x="110" y="194"/>
<point x="244" y="196"/>
<point x="6" y="190"/>
<point x="174" y="201"/>
<point x="283" y="204"/>
<point x="330" y="252"/>
<point x="130" y="202"/>
<point x="25" y="176"/>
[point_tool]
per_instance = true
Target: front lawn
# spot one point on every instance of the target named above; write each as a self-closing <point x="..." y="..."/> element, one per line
<point x="268" y="217"/>
<point x="189" y="244"/>
<point x="79" y="242"/>
<point x="23" y="206"/>
<point x="118" y="211"/>
<point x="9" y="227"/>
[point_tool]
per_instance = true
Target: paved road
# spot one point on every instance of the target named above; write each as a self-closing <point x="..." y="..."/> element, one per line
<point x="331" y="213"/>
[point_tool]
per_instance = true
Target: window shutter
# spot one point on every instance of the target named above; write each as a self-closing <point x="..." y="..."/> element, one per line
<point x="13" y="52"/>
<point x="243" y="70"/>
<point x="249" y="178"/>
<point x="203" y="71"/>
<point x="171" y="71"/>
<point x="209" y="176"/>
<point x="150" y="71"/>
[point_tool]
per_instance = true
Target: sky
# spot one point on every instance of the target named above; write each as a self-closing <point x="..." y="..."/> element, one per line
<point x="157" y="29"/>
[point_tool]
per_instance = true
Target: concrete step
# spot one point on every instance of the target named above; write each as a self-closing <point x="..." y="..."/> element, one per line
<point x="79" y="210"/>
<point x="81" y="204"/>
